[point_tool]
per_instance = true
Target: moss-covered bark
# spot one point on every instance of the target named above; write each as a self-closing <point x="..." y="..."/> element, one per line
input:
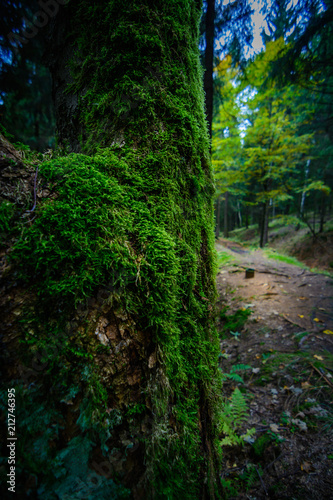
<point x="116" y="370"/>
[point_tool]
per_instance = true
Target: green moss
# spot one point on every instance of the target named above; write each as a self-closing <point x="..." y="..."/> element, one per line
<point x="134" y="214"/>
<point x="7" y="211"/>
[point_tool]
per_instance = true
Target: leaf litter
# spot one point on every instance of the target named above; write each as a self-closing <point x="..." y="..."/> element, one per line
<point x="286" y="342"/>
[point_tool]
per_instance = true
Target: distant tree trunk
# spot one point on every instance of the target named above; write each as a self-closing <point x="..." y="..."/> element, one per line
<point x="226" y="215"/>
<point x="264" y="224"/>
<point x="246" y="217"/>
<point x="209" y="63"/>
<point x="322" y="212"/>
<point x="239" y="213"/>
<point x="306" y="174"/>
<point x="218" y="217"/>
<point x="112" y="342"/>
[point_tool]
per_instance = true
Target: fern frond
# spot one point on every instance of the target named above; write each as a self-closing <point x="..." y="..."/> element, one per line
<point x="240" y="368"/>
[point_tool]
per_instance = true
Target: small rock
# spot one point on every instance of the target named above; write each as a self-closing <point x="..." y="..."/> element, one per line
<point x="295" y="390"/>
<point x="300" y="424"/>
<point x="274" y="428"/>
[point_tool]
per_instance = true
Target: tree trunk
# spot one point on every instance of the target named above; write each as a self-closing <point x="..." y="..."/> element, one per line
<point x="322" y="211"/>
<point x="209" y="63"/>
<point x="264" y="224"/>
<point x="218" y="217"/>
<point x="239" y="213"/>
<point x="307" y="169"/>
<point x="110" y="332"/>
<point x="226" y="218"/>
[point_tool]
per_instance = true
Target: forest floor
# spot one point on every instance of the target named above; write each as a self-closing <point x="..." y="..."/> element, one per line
<point x="277" y="351"/>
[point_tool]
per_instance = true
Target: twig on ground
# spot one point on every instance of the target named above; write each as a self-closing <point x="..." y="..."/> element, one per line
<point x="262" y="482"/>
<point x="322" y="375"/>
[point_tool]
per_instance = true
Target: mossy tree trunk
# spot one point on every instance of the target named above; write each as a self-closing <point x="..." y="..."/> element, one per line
<point x="110" y="333"/>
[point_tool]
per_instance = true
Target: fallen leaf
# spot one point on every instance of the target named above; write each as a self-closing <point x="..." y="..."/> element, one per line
<point x="329" y="332"/>
<point x="302" y="298"/>
<point x="318" y="357"/>
<point x="300" y="315"/>
<point x="306" y="466"/>
<point x="305" y="385"/>
<point x="316" y="320"/>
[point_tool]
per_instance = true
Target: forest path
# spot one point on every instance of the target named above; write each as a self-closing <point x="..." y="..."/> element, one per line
<point x="286" y="349"/>
<point x="279" y="292"/>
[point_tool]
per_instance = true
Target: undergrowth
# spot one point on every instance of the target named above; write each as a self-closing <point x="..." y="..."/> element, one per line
<point x="233" y="323"/>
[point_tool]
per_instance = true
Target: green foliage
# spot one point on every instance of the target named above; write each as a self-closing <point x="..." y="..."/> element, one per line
<point x="261" y="443"/>
<point x="234" y="414"/>
<point x="233" y="375"/>
<point x="250" y="476"/>
<point x="234" y="322"/>
<point x="224" y="258"/>
<point x="271" y="254"/>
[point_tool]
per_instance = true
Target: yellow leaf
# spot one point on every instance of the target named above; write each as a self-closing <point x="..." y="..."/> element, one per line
<point x="300" y="315"/>
<point x="316" y="320"/>
<point x="305" y="385"/>
<point x="329" y="332"/>
<point x="318" y="357"/>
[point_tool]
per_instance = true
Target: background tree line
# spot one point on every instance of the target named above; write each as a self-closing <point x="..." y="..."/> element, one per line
<point x="272" y="131"/>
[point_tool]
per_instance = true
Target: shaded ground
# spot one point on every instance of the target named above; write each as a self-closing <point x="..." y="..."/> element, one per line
<point x="284" y="354"/>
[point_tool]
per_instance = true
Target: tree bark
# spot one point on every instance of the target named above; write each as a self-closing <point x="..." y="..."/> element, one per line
<point x="112" y="344"/>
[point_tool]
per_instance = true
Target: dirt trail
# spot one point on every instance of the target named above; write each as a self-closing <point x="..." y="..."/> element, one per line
<point x="280" y="292"/>
<point x="287" y="344"/>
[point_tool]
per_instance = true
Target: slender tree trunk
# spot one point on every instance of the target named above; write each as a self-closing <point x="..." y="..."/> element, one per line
<point x="322" y="212"/>
<point x="246" y="217"/>
<point x="209" y="63"/>
<point x="307" y="169"/>
<point x="218" y="217"/>
<point x="264" y="224"/>
<point x="239" y="213"/>
<point x="115" y="347"/>
<point x="226" y="215"/>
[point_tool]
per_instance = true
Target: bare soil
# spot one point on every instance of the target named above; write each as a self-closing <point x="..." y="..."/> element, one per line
<point x="287" y="344"/>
